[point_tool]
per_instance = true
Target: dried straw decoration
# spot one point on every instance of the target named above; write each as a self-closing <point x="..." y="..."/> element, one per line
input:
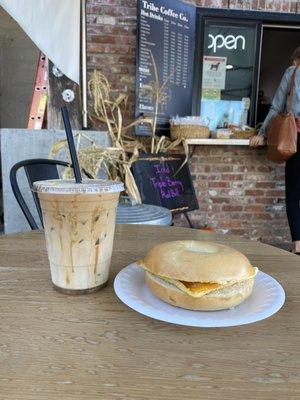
<point x="125" y="147"/>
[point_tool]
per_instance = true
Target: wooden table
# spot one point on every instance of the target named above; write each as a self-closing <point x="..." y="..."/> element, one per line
<point x="91" y="347"/>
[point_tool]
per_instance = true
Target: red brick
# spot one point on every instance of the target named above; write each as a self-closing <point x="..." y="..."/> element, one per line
<point x="108" y="48"/>
<point x="216" y="184"/>
<point x="206" y="177"/>
<point x="254" y="4"/>
<point x="120" y="31"/>
<point x="229" y="207"/>
<point x="126" y="60"/>
<point x="232" y="177"/>
<point x="220" y="200"/>
<point x="255" y="208"/>
<point x="265" y="185"/>
<point x="221" y="168"/>
<point x="108" y="10"/>
<point x="275" y="193"/>
<point x="262" y="216"/>
<point x="285" y="5"/>
<point x="264" y="168"/>
<point x="293" y="6"/>
<point x="251" y="192"/>
<point x="101" y="39"/>
<point x="230" y="223"/>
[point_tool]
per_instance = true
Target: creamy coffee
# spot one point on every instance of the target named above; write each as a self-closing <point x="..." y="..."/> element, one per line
<point x="79" y="224"/>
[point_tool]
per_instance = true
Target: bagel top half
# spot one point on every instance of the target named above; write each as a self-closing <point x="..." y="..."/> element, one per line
<point x="197" y="267"/>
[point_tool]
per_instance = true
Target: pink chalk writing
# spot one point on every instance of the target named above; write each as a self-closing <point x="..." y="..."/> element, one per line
<point x="161" y="169"/>
<point x="168" y="187"/>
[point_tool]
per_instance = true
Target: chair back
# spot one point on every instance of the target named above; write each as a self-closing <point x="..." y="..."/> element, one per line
<point x="38" y="169"/>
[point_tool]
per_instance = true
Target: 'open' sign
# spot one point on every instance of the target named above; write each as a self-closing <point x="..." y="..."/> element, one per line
<point x="230" y="42"/>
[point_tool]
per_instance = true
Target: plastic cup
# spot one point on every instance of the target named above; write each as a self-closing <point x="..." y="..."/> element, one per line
<point x="79" y="225"/>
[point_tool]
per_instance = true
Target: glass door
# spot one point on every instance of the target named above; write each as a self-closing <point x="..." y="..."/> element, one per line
<point x="228" y="72"/>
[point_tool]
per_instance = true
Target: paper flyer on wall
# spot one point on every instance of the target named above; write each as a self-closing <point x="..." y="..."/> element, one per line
<point x="214" y="72"/>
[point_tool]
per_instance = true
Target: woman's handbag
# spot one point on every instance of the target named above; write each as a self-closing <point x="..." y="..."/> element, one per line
<point x="282" y="132"/>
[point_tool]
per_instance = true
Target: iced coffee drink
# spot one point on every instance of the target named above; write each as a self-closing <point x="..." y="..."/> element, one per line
<point x="79" y="223"/>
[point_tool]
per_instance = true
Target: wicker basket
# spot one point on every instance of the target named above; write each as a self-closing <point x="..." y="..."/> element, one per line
<point x="189" y="132"/>
<point x="243" y="134"/>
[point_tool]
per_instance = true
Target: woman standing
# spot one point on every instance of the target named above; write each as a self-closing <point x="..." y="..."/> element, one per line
<point x="292" y="168"/>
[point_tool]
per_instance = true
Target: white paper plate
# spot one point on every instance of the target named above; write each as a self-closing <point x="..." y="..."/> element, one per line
<point x="267" y="298"/>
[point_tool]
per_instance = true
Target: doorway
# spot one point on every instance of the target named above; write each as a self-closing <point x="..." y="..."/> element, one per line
<point x="277" y="46"/>
<point x="18" y="60"/>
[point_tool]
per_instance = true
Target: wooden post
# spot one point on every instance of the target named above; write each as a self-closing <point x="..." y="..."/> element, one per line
<point x="62" y="92"/>
<point x="84" y="66"/>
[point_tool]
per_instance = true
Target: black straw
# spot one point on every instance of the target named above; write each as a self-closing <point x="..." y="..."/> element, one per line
<point x="72" y="149"/>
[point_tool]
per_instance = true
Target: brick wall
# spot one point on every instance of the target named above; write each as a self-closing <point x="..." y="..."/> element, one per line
<point x="238" y="190"/>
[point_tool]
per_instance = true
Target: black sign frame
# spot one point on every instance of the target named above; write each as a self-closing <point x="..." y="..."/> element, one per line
<point x="164" y="180"/>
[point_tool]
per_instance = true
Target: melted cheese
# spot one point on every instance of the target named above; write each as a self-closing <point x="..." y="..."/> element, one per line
<point x="199" y="289"/>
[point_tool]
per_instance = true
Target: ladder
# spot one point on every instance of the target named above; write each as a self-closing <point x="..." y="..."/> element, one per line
<point x="38" y="108"/>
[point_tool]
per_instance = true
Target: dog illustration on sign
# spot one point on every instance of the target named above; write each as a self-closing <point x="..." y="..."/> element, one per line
<point x="215" y="66"/>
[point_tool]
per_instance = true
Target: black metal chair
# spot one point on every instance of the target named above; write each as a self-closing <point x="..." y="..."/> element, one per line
<point x="36" y="170"/>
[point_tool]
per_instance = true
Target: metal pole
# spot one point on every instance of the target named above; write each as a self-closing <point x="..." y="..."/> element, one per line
<point x="83" y="66"/>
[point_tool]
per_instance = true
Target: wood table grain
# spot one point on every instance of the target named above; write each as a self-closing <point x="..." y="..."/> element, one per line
<point x="89" y="347"/>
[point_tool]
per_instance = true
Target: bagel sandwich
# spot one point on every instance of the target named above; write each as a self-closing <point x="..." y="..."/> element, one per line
<point x="198" y="275"/>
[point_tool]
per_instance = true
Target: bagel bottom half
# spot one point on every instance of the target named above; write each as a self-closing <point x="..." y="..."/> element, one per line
<point x="220" y="299"/>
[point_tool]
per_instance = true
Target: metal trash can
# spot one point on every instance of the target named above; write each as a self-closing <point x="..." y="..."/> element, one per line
<point x="146" y="214"/>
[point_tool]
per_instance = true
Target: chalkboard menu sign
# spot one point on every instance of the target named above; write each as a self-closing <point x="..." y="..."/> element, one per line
<point x="166" y="34"/>
<point x="163" y="181"/>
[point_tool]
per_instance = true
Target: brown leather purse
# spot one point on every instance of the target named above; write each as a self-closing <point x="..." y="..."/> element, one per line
<point x="282" y="132"/>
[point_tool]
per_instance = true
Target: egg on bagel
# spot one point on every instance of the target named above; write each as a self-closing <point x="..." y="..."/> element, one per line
<point x="198" y="275"/>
